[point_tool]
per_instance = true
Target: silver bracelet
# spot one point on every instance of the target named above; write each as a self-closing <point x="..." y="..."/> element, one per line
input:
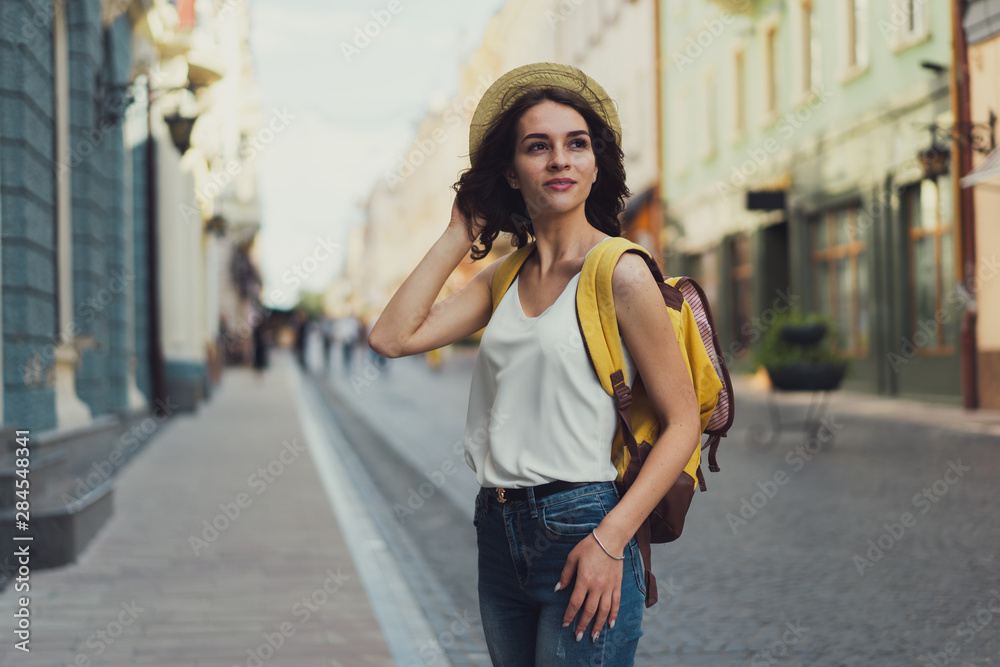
<point x="594" y="533"/>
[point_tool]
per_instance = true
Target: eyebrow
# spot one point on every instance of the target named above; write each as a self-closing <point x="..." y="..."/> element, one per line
<point x="541" y="135"/>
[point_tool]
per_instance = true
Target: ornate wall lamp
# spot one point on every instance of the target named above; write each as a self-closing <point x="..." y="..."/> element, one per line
<point x="113" y="100"/>
<point x="980" y="137"/>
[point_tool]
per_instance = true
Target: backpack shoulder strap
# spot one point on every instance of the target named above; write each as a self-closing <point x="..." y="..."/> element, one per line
<point x="595" y="306"/>
<point x="506" y="272"/>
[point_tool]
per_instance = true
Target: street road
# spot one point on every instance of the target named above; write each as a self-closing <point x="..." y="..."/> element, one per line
<point x="877" y="546"/>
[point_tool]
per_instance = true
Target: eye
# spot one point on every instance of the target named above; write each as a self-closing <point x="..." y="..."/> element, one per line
<point x="579" y="143"/>
<point x="537" y="145"/>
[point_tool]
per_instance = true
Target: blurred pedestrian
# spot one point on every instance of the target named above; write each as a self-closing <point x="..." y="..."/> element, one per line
<point x="546" y="157"/>
<point x="260" y="352"/>
<point x="347" y="332"/>
<point x="326" y="331"/>
<point x="300" y="325"/>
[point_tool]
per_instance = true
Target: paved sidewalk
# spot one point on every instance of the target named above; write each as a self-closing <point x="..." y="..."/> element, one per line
<point x="273" y="573"/>
<point x="902" y="410"/>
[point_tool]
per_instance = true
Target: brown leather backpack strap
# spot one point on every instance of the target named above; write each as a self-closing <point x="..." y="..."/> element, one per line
<point x="623" y="401"/>
<point x="701" y="479"/>
<point x="713" y="448"/>
<point x="642" y="537"/>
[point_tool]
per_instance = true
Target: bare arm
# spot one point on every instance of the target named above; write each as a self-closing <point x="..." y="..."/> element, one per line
<point x="649" y="336"/>
<point x="412" y="323"/>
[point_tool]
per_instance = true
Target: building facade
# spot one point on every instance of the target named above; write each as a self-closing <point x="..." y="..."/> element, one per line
<point x="611" y="40"/>
<point x="109" y="306"/>
<point x="981" y="26"/>
<point x="793" y="131"/>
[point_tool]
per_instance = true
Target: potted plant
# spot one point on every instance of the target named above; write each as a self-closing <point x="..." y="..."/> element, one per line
<point x="798" y="353"/>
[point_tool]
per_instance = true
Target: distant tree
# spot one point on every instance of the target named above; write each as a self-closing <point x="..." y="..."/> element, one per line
<point x="311" y="303"/>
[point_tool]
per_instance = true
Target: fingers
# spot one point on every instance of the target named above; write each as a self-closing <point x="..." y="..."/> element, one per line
<point x="616" y="598"/>
<point x="597" y="592"/>
<point x="575" y="600"/>
<point x="593" y="599"/>
<point x="568" y="572"/>
<point x="601" y="616"/>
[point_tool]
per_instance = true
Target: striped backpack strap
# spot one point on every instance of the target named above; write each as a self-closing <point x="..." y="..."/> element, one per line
<point x="722" y="416"/>
<point x="507" y="271"/>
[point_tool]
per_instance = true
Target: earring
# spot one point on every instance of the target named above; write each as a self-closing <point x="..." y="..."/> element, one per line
<point x="595" y="179"/>
<point x="513" y="184"/>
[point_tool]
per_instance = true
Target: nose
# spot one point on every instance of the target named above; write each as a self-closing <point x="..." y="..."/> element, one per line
<point x="557" y="159"/>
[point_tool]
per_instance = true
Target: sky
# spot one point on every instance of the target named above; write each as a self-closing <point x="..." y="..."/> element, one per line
<point x="344" y="85"/>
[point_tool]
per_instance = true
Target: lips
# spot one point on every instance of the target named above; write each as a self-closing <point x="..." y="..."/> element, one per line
<point x="560" y="184"/>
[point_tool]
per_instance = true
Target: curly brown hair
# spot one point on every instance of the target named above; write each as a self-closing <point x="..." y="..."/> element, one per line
<point x="482" y="190"/>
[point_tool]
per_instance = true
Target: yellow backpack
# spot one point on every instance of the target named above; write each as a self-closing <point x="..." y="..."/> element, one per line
<point x="638" y="425"/>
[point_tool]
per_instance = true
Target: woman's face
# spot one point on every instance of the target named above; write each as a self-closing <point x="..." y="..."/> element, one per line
<point x="554" y="164"/>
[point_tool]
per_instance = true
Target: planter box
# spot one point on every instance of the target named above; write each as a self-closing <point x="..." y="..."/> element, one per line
<point x="803" y="334"/>
<point x="807" y="377"/>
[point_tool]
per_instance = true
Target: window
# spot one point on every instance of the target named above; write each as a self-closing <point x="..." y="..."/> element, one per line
<point x="907" y="23"/>
<point x="679" y="153"/>
<point x="840" y="277"/>
<point x="739" y="94"/>
<point x="914" y="21"/>
<point x="708" y="115"/>
<point x="809" y="47"/>
<point x="857" y="34"/>
<point x="740" y="276"/>
<point x="770" y="72"/>
<point x="928" y="212"/>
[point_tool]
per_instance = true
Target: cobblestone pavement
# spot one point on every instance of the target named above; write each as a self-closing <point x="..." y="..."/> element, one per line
<point x="877" y="546"/>
<point x="207" y="560"/>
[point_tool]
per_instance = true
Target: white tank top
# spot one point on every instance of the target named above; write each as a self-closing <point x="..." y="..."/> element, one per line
<point x="537" y="412"/>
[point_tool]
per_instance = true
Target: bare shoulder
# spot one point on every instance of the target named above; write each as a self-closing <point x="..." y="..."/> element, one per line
<point x="631" y="276"/>
<point x="486" y="275"/>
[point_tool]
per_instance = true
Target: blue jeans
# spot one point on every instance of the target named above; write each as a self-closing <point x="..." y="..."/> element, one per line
<point x="523" y="547"/>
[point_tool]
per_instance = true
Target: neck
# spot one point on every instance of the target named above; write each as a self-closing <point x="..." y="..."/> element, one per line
<point x="563" y="237"/>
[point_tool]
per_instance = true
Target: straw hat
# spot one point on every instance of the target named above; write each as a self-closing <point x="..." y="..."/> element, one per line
<point x="507" y="89"/>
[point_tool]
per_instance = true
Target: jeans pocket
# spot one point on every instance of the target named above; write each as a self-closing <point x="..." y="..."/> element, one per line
<point x="573" y="520"/>
<point x="478" y="513"/>
<point x="637" y="566"/>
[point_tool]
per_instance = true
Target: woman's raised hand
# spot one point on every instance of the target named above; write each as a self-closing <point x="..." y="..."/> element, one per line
<point x="460" y="221"/>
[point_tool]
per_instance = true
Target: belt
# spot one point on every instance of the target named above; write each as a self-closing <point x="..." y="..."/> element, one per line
<point x="508" y="496"/>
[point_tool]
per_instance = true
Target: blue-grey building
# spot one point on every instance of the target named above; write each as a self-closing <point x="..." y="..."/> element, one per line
<point x="75" y="343"/>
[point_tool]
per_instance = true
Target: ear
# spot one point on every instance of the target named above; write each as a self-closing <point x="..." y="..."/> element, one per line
<point x="511" y="177"/>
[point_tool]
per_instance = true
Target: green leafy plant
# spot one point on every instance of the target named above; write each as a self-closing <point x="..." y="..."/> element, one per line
<point x="776" y="352"/>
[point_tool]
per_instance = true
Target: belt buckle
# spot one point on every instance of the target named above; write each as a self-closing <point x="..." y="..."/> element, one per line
<point x="501" y="495"/>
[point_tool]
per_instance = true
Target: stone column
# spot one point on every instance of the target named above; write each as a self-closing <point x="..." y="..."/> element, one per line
<point x="70" y="410"/>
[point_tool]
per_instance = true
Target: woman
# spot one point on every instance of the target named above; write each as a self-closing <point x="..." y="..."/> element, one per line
<point x="557" y="556"/>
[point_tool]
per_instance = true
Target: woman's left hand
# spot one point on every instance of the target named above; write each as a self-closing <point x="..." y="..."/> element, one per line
<point x="598" y="588"/>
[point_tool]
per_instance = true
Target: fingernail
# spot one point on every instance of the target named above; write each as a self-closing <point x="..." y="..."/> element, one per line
<point x="579" y="636"/>
<point x="611" y="624"/>
<point x="594" y="638"/>
<point x="558" y="586"/>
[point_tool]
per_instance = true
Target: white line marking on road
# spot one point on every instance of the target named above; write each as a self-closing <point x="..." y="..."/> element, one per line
<point x="399" y="614"/>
